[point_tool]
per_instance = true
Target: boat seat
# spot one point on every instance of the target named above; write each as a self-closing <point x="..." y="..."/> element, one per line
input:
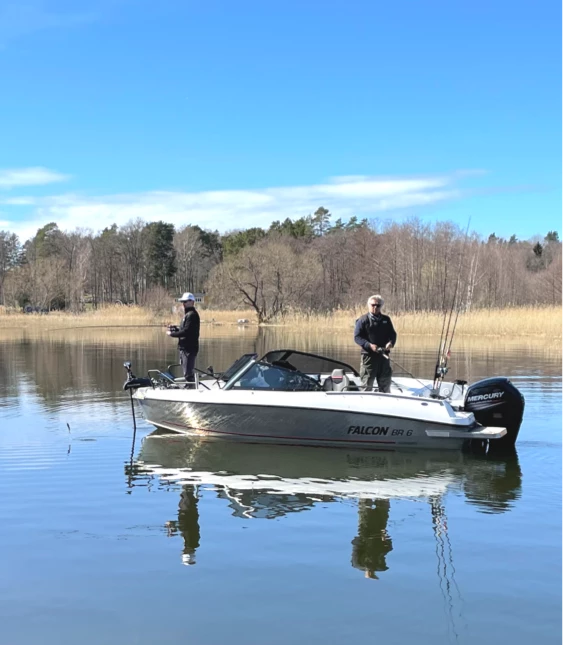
<point x="336" y="382"/>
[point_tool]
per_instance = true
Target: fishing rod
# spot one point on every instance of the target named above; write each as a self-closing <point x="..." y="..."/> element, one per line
<point x="104" y="327"/>
<point x="386" y="354"/>
<point x="446" y="339"/>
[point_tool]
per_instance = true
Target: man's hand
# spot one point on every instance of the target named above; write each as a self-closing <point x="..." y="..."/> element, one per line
<point x="373" y="347"/>
<point x="389" y="345"/>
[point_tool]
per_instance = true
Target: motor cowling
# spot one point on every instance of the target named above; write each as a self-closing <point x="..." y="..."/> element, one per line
<point x="496" y="402"/>
<point x="137" y="382"/>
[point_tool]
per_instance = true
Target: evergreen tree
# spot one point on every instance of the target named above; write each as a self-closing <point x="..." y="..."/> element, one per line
<point x="336" y="227"/>
<point x="233" y="243"/>
<point x="160" y="254"/>
<point x="321" y="220"/>
<point x="9" y="257"/>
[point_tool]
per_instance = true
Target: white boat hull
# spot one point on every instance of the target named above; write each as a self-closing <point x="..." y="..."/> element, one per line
<point x="351" y="420"/>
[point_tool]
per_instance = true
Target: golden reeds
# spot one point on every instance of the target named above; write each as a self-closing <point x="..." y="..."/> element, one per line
<point x="531" y="322"/>
<point x="116" y="316"/>
<point x="544" y="322"/>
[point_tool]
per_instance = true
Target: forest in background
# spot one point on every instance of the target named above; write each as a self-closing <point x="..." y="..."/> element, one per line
<point x="313" y="264"/>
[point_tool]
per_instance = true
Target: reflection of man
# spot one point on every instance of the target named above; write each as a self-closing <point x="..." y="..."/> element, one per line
<point x="187" y="524"/>
<point x="372" y="543"/>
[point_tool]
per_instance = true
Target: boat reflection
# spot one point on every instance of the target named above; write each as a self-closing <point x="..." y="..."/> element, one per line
<point x="267" y="481"/>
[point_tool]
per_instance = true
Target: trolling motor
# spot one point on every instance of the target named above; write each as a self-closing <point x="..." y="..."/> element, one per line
<point x="133" y="382"/>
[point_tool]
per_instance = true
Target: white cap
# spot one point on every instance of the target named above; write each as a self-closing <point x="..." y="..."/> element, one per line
<point x="187" y="296"/>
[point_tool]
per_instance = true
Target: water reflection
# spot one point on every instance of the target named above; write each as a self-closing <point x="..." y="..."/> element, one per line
<point x="373" y="543"/>
<point x="76" y="365"/>
<point x="268" y="482"/>
<point x="187" y="524"/>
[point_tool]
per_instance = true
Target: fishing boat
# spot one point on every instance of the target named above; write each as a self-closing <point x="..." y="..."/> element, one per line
<point x="294" y="397"/>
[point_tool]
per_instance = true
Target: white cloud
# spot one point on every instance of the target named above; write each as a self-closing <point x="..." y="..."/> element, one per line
<point x="10" y="178"/>
<point x="361" y="196"/>
<point x="18" y="201"/>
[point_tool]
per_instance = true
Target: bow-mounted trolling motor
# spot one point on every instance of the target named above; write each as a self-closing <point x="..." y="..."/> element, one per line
<point x="496" y="402"/>
<point x="133" y="382"/>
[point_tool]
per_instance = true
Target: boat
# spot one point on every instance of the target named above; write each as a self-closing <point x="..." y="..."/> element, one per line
<point x="293" y="397"/>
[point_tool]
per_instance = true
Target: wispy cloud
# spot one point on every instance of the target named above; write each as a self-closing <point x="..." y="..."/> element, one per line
<point x="12" y="178"/>
<point x="231" y="209"/>
<point x="23" y="18"/>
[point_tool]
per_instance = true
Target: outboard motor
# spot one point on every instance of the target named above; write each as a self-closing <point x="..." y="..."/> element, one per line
<point x="496" y="402"/>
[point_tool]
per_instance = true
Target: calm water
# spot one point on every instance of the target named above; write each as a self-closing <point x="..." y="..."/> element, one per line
<point x="106" y="540"/>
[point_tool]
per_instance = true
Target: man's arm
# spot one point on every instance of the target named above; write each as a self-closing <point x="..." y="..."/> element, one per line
<point x="359" y="338"/>
<point x="392" y="334"/>
<point x="184" y="327"/>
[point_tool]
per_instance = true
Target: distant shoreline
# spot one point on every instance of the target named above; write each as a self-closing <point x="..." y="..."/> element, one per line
<point x="533" y="322"/>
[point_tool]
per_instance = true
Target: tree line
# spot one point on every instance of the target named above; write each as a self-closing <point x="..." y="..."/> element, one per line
<point x="311" y="264"/>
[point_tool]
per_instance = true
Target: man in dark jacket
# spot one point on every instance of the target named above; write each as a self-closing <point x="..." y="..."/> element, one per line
<point x="374" y="331"/>
<point x="188" y="337"/>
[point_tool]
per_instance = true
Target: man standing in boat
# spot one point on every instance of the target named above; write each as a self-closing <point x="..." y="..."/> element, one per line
<point x="188" y="337"/>
<point x="375" y="334"/>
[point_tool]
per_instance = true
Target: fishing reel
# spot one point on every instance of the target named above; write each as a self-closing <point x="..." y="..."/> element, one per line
<point x="383" y="350"/>
<point x="441" y="371"/>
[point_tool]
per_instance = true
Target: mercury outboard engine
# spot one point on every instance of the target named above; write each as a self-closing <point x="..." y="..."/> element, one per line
<point x="496" y="402"/>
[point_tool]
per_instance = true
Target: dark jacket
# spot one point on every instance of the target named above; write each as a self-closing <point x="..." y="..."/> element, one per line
<point x="376" y="332"/>
<point x="188" y="332"/>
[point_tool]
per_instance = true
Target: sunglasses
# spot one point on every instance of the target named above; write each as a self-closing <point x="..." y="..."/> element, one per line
<point x="376" y="304"/>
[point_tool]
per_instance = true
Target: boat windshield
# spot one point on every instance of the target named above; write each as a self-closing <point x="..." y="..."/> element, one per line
<point x="306" y="363"/>
<point x="263" y="376"/>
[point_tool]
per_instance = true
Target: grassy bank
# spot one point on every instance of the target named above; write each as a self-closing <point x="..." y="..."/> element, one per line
<point x="532" y="322"/>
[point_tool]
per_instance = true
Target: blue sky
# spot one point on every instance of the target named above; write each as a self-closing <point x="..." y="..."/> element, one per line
<point x="232" y="114"/>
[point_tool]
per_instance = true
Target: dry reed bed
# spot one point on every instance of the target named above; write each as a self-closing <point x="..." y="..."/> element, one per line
<point x="544" y="322"/>
<point x="115" y="316"/>
<point x="531" y="322"/>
